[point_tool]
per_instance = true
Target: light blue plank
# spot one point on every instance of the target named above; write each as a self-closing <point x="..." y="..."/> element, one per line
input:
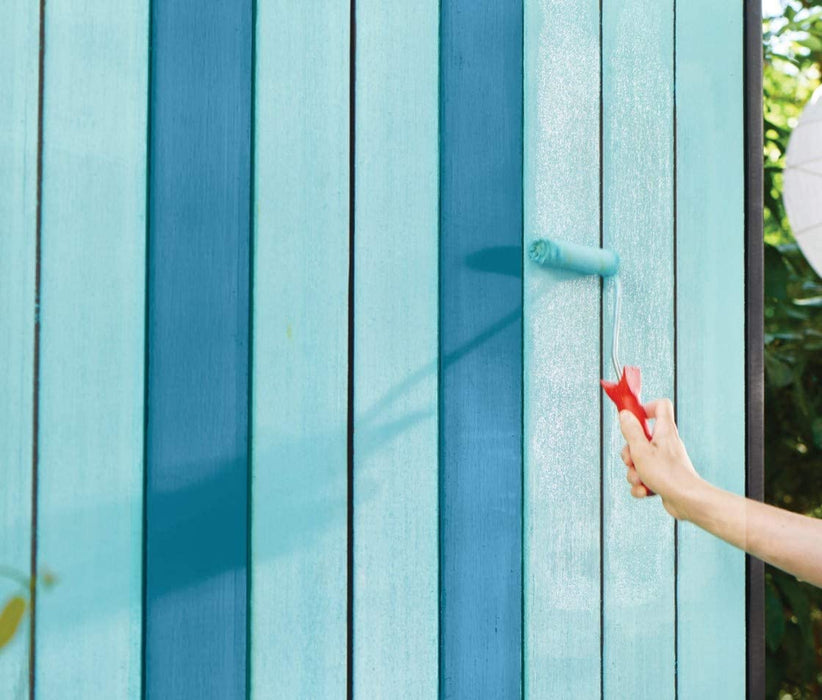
<point x="395" y="355"/>
<point x="711" y="335"/>
<point x="197" y="424"/>
<point x="481" y="348"/>
<point x="299" y="480"/>
<point x="19" y="45"/>
<point x="638" y="537"/>
<point x="561" y="366"/>
<point x="91" y="382"/>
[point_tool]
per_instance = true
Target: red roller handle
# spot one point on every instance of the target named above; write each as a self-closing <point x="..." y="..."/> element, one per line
<point x="625" y="394"/>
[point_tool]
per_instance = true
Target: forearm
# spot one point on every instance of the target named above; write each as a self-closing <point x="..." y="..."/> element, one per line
<point x="789" y="541"/>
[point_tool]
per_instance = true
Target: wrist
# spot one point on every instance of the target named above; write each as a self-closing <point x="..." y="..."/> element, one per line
<point x="690" y="499"/>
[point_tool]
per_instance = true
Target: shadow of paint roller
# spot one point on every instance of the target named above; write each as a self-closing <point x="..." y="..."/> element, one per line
<point x="587" y="260"/>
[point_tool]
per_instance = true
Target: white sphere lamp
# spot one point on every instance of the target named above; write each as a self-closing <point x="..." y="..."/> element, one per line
<point x="802" y="184"/>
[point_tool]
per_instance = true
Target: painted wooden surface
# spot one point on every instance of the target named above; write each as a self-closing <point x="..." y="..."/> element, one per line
<point x="19" y="46"/>
<point x="88" y="627"/>
<point x="467" y="581"/>
<point x="561" y="538"/>
<point x="198" y="336"/>
<point x="299" y="482"/>
<point x="395" y="350"/>
<point x="481" y="348"/>
<point x="710" y="336"/>
<point x="638" y="197"/>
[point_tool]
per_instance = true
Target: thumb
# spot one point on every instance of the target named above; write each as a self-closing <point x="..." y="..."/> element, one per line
<point x="632" y="430"/>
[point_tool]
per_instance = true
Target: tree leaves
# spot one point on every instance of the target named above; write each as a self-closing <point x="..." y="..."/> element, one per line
<point x="12" y="613"/>
<point x="776" y="274"/>
<point x="793" y="361"/>
<point x="774" y="617"/>
<point x="10" y="618"/>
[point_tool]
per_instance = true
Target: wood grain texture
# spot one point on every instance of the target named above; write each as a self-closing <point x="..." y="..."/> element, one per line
<point x="198" y="335"/>
<point x="395" y="357"/>
<point x="562" y="354"/>
<point x="711" y="335"/>
<point x="19" y="46"/>
<point x="638" y="537"/>
<point x="92" y="329"/>
<point x="299" y="479"/>
<point x="481" y="348"/>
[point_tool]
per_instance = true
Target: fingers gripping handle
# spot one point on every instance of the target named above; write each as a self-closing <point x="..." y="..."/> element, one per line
<point x="625" y="394"/>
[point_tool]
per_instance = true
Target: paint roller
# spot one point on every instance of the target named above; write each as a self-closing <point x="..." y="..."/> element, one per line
<point x="587" y="260"/>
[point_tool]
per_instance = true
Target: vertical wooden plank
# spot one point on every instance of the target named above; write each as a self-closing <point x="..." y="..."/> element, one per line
<point x="198" y="335"/>
<point x="19" y="48"/>
<point x="299" y="481"/>
<point x="638" y="558"/>
<point x="91" y="339"/>
<point x="711" y="335"/>
<point x="395" y="615"/>
<point x="481" y="348"/>
<point x="562" y="355"/>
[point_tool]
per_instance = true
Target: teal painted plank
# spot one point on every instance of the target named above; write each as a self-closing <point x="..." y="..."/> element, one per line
<point x="299" y="479"/>
<point x="395" y="355"/>
<point x="91" y="381"/>
<point x="19" y="44"/>
<point x="711" y="335"/>
<point x="198" y="381"/>
<point x="638" y="537"/>
<point x="481" y="348"/>
<point x="561" y="365"/>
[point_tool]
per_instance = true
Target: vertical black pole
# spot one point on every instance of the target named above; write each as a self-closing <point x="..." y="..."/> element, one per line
<point x="754" y="336"/>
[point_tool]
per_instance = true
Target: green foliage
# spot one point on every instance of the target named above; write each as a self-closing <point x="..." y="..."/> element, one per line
<point x="793" y="361"/>
<point x="14" y="609"/>
<point x="10" y="618"/>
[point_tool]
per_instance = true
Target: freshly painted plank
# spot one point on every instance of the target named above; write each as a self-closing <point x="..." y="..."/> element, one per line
<point x="638" y="537"/>
<point x="88" y="627"/>
<point x="481" y="348"/>
<point x="710" y="335"/>
<point x="395" y="355"/>
<point x="562" y="354"/>
<point x="299" y="478"/>
<point x="198" y="338"/>
<point x="19" y="47"/>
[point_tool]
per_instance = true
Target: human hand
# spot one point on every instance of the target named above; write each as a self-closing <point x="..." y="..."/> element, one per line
<point x="661" y="465"/>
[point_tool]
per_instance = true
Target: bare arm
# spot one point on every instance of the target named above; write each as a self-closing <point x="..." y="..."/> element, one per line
<point x="789" y="541"/>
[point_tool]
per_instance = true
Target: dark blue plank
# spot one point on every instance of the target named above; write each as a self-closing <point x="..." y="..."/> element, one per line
<point x="481" y="348"/>
<point x="198" y="335"/>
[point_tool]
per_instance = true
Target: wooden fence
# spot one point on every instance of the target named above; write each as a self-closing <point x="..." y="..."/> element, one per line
<point x="284" y="406"/>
